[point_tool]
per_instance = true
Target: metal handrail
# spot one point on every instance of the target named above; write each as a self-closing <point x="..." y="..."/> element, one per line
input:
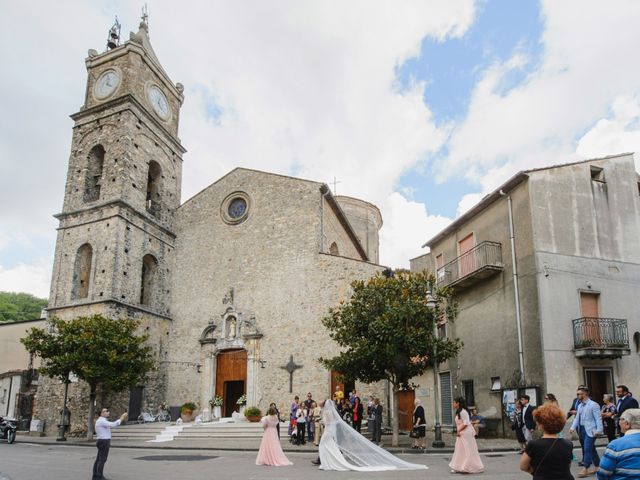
<point x="482" y="255"/>
<point x="602" y="333"/>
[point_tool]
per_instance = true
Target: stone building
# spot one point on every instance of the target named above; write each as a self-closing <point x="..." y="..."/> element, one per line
<point x="231" y="285"/>
<point x="545" y="270"/>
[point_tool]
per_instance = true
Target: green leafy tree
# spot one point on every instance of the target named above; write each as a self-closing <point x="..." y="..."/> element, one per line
<point x="16" y="307"/>
<point x="387" y="331"/>
<point x="101" y="351"/>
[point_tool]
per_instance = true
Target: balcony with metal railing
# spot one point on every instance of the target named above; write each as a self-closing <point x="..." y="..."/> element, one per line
<point x="482" y="261"/>
<point x="600" y="337"/>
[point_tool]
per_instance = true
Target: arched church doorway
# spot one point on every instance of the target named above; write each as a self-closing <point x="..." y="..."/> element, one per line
<point x="231" y="378"/>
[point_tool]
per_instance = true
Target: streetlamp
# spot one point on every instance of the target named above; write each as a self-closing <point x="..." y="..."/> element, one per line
<point x="431" y="304"/>
<point x="62" y="427"/>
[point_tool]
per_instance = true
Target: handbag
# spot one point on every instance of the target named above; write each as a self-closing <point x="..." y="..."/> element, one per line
<point x="413" y="433"/>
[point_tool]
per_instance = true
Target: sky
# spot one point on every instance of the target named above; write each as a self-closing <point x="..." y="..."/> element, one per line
<point x="420" y="107"/>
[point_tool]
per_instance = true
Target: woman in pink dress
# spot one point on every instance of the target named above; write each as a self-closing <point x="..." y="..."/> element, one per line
<point x="270" y="452"/>
<point x="466" y="458"/>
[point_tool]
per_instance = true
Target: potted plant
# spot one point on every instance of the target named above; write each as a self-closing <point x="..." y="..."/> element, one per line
<point x="216" y="405"/>
<point x="241" y="402"/>
<point x="253" y="414"/>
<point x="186" y="411"/>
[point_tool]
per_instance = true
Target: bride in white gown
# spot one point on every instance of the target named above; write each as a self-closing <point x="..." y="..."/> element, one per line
<point x="343" y="448"/>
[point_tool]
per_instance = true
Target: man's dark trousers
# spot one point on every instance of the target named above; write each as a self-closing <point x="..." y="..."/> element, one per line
<point x="101" y="459"/>
<point x="301" y="436"/>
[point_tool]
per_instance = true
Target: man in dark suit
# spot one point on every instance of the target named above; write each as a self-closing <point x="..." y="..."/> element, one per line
<point x="376" y="418"/>
<point x="625" y="401"/>
<point x="527" y="417"/>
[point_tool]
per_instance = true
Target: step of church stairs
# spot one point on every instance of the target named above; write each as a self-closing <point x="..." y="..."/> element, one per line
<point x="225" y="430"/>
<point x="142" y="431"/>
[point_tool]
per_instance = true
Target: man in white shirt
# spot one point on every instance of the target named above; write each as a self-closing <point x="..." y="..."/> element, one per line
<point x="103" y="434"/>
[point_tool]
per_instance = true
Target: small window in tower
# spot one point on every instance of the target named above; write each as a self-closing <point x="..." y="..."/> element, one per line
<point x="82" y="272"/>
<point x="597" y="174"/>
<point x="93" y="180"/>
<point x="153" y="188"/>
<point x="149" y="279"/>
<point x="333" y="249"/>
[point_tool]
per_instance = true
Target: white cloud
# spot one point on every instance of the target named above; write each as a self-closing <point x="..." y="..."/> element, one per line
<point x="296" y="86"/>
<point x="403" y="212"/>
<point x="587" y="63"/>
<point x="617" y="134"/>
<point x="467" y="201"/>
<point x="31" y="278"/>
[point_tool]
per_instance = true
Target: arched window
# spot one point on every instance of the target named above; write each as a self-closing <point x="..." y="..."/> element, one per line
<point x="149" y="279"/>
<point x="333" y="249"/>
<point x="93" y="180"/>
<point x="636" y="340"/>
<point x="82" y="272"/>
<point x="153" y="188"/>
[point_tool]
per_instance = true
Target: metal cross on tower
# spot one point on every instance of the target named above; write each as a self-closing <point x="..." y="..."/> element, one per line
<point x="291" y="367"/>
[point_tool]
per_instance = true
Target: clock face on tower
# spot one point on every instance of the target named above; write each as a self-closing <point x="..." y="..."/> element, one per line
<point x="158" y="102"/>
<point x="106" y="84"/>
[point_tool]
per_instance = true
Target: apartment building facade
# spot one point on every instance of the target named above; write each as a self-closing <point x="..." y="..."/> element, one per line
<point x="546" y="271"/>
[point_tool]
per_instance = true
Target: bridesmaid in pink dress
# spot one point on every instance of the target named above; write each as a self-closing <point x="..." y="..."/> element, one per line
<point x="270" y="452"/>
<point x="466" y="458"/>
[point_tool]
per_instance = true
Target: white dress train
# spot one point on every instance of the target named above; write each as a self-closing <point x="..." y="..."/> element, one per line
<point x="342" y="448"/>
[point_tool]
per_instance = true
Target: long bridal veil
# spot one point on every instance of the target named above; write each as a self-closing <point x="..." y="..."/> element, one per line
<point x="356" y="449"/>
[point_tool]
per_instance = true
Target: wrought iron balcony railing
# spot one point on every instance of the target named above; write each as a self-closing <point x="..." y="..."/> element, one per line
<point x="482" y="261"/>
<point x="600" y="337"/>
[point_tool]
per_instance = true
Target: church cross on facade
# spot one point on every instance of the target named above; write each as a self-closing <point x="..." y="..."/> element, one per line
<point x="291" y="367"/>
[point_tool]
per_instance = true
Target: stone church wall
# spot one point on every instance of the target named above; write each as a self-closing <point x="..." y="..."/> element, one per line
<point x="273" y="263"/>
<point x="335" y="232"/>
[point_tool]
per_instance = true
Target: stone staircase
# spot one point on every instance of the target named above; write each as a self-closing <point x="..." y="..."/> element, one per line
<point x="181" y="433"/>
<point x="222" y="429"/>
<point x="139" y="431"/>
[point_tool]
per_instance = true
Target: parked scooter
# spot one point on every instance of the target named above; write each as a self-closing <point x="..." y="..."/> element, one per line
<point x="8" y="429"/>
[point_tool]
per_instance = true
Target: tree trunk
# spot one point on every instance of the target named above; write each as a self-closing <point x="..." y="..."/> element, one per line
<point x="396" y="411"/>
<point x="92" y="401"/>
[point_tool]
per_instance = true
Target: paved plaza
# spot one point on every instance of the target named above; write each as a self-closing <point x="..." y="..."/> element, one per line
<point x="37" y="461"/>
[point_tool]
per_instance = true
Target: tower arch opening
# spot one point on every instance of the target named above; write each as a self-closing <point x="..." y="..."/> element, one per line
<point x="82" y="272"/>
<point x="154" y="177"/>
<point x="149" y="279"/>
<point x="93" y="179"/>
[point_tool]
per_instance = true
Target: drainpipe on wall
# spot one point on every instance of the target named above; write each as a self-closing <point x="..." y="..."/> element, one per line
<point x="516" y="292"/>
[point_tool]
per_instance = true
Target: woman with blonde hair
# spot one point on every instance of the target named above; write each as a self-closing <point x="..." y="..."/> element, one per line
<point x="548" y="458"/>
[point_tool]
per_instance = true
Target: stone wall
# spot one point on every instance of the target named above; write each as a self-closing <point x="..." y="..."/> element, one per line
<point x="273" y="263"/>
<point x="366" y="220"/>
<point x="334" y="232"/>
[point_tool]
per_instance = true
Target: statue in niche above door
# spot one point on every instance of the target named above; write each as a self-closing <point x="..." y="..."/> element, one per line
<point x="231" y="328"/>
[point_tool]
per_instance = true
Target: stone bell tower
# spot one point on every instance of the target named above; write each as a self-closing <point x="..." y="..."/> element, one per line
<point x="115" y="239"/>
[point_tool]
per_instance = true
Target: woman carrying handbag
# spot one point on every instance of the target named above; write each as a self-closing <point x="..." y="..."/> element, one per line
<point x="419" y="432"/>
<point x="548" y="458"/>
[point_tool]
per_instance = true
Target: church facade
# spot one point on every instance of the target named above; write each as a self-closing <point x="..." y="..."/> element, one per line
<point x="230" y="286"/>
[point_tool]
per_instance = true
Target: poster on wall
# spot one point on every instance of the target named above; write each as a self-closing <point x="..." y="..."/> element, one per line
<point x="533" y="396"/>
<point x="509" y="398"/>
